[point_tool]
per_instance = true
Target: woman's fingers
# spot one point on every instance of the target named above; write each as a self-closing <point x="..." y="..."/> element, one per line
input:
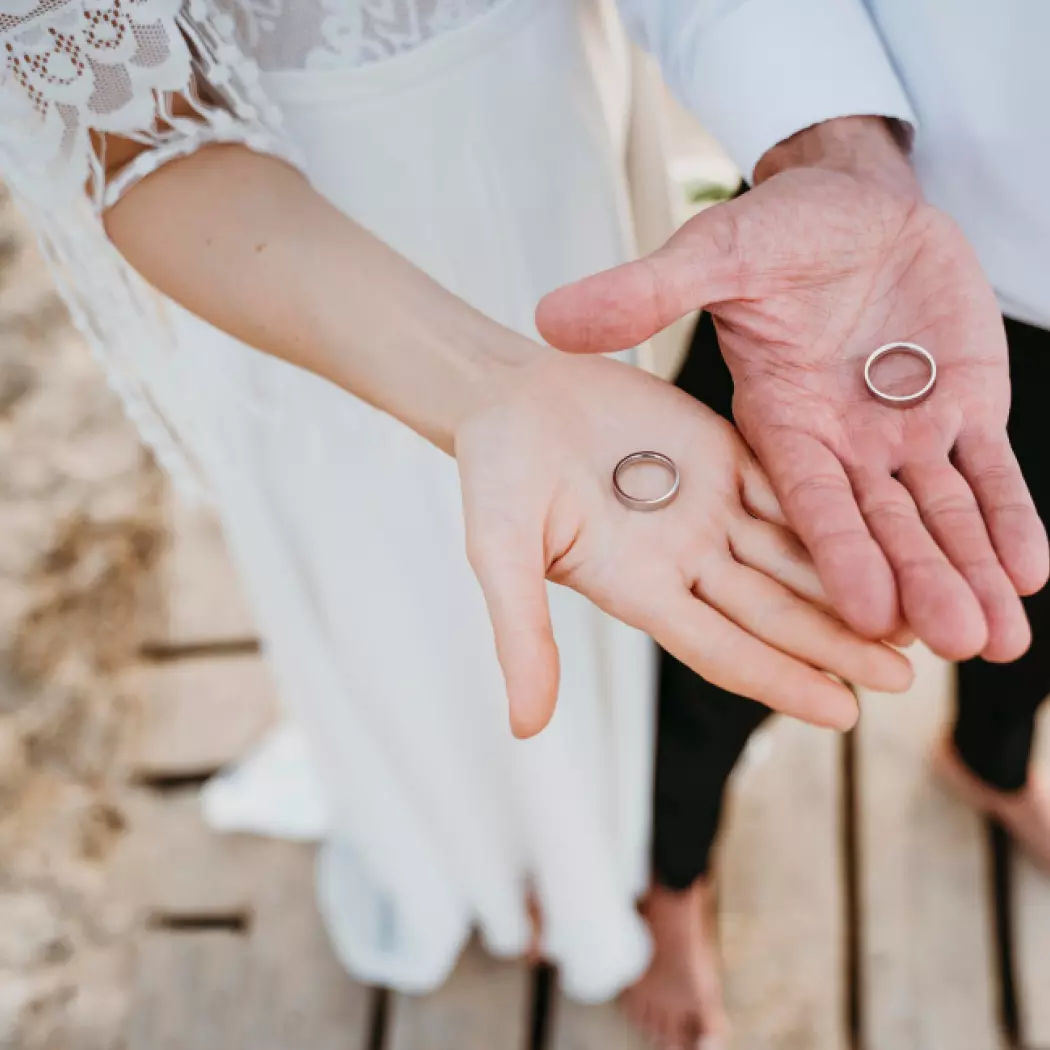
<point x="758" y="497"/>
<point x="703" y="639"/>
<point x="778" y="553"/>
<point x="774" y="614"/>
<point x="989" y="465"/>
<point x="510" y="567"/>
<point x="935" y="599"/>
<point x="949" y="510"/>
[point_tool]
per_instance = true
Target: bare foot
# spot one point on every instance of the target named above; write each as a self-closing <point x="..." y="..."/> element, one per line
<point x="678" y="1003"/>
<point x="1024" y="814"/>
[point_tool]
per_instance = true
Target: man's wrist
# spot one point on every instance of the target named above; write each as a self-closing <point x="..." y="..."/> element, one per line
<point x="874" y="149"/>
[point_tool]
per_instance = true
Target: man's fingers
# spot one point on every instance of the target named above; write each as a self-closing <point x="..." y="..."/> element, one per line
<point x="628" y="304"/>
<point x="988" y="463"/>
<point x="777" y="553"/>
<point x="935" y="599"/>
<point x="817" y="497"/>
<point x="704" y="640"/>
<point x="515" y="587"/>
<point x="949" y="510"/>
<point x="772" y="613"/>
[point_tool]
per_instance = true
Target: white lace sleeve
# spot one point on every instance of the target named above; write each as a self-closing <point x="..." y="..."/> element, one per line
<point x="76" y="70"/>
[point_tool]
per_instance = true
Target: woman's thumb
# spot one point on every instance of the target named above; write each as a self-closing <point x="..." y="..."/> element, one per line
<point x="515" y="591"/>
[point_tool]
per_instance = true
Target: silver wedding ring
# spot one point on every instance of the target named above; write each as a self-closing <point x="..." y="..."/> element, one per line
<point x="647" y="457"/>
<point x="901" y="400"/>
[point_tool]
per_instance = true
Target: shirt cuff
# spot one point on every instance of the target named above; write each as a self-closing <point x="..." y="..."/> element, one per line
<point x="771" y="68"/>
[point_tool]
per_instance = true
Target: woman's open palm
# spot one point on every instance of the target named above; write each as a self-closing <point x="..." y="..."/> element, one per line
<point x="715" y="578"/>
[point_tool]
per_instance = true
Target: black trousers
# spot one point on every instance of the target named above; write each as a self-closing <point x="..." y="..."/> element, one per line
<point x="702" y="729"/>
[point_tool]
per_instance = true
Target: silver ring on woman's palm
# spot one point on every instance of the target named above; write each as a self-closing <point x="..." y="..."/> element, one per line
<point x="674" y="481"/>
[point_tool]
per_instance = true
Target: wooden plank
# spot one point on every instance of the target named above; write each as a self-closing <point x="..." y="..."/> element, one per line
<point x="273" y="984"/>
<point x="199" y="715"/>
<point x="299" y="995"/>
<point x="170" y="864"/>
<point x="1031" y="895"/>
<point x="188" y="992"/>
<point x="927" y="930"/>
<point x="484" y="1006"/>
<point x="275" y="988"/>
<point x="577" y="1027"/>
<point x="781" y="894"/>
<point x="199" y="599"/>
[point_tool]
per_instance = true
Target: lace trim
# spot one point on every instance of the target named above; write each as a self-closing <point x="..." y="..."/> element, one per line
<point x="310" y="34"/>
<point x="372" y="30"/>
<point x="74" y="68"/>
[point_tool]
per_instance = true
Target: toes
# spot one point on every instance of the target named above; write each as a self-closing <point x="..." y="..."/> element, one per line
<point x="633" y="1007"/>
<point x="647" y="1017"/>
<point x="691" y="1031"/>
<point x="654" y="1028"/>
<point x="669" y="1031"/>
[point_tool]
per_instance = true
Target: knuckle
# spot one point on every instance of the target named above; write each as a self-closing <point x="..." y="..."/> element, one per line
<point x="725" y="239"/>
<point x="996" y="476"/>
<point x="889" y="512"/>
<point x="983" y="573"/>
<point x="659" y="307"/>
<point x="950" y="505"/>
<point x="814" y="486"/>
<point x="920" y="566"/>
<point x="835" y="540"/>
<point x="1015" y="509"/>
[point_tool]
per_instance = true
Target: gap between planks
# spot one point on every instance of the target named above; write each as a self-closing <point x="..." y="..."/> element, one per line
<point x="927" y="963"/>
<point x="781" y="885"/>
<point x="1031" y="931"/>
<point x="267" y="982"/>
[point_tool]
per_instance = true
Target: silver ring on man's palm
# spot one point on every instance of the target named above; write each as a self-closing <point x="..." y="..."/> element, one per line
<point x="901" y="400"/>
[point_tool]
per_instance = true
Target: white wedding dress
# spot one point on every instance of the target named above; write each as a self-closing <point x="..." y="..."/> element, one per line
<point x="472" y="136"/>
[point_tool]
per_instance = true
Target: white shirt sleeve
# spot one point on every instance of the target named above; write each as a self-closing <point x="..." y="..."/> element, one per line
<point x="754" y="72"/>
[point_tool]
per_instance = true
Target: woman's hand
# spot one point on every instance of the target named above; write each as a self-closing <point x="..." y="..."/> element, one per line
<point x="715" y="577"/>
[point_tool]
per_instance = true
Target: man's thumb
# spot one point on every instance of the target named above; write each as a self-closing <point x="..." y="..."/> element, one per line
<point x="622" y="307"/>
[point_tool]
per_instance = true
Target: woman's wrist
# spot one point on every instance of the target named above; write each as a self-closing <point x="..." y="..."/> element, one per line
<point x="411" y="348"/>
<point x="444" y="371"/>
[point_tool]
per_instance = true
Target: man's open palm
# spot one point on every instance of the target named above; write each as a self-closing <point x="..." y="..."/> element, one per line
<point x="920" y="512"/>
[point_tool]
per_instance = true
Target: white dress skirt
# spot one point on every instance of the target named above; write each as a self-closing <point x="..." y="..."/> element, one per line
<point x="487" y="157"/>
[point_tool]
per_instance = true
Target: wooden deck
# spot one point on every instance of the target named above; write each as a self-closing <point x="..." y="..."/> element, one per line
<point x="861" y="907"/>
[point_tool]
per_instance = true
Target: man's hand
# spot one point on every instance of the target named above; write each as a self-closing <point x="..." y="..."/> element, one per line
<point x="920" y="512"/>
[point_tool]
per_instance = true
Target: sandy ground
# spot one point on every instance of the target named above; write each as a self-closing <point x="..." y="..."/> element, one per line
<point x="79" y="529"/>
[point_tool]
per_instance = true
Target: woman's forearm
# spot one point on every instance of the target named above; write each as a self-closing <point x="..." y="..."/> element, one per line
<point x="245" y="242"/>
